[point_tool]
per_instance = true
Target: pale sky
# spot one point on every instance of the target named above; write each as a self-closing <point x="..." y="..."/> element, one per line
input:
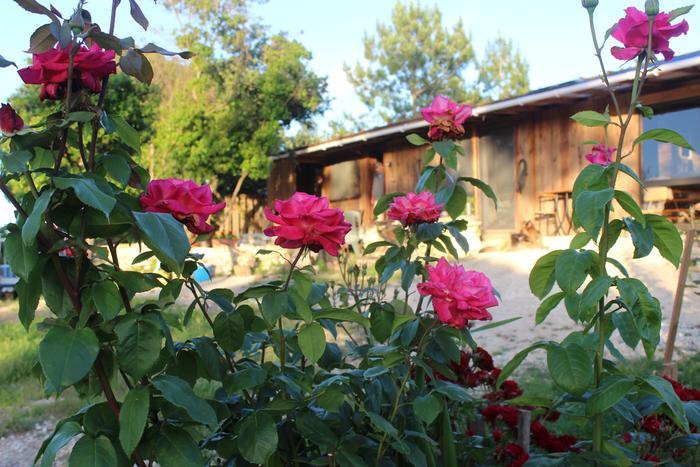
<point x="553" y="35"/>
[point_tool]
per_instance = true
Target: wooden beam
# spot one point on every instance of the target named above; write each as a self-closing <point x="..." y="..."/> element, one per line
<point x="678" y="299"/>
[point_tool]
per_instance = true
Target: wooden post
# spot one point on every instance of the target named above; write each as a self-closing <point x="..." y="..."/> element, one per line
<point x="524" y="421"/>
<point x="678" y="299"/>
<point x="670" y="370"/>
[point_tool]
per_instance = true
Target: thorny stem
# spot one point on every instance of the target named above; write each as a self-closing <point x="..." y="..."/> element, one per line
<point x="283" y="340"/>
<point x="639" y="77"/>
<point x="402" y="387"/>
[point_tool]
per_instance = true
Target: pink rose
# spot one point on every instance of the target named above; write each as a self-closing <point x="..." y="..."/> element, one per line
<point x="458" y="295"/>
<point x="305" y="220"/>
<point x="600" y="154"/>
<point x="50" y="70"/>
<point x="633" y="32"/>
<point x="188" y="202"/>
<point x="446" y="118"/>
<point x="10" y="122"/>
<point x="414" y="209"/>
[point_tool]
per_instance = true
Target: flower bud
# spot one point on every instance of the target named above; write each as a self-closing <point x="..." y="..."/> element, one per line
<point x="589" y="4"/>
<point x="10" y="122"/>
<point x="651" y="7"/>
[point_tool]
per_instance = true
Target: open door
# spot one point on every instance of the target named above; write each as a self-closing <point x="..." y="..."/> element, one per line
<point x="497" y="168"/>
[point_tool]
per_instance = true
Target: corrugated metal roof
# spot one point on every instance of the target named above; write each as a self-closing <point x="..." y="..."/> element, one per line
<point x="569" y="90"/>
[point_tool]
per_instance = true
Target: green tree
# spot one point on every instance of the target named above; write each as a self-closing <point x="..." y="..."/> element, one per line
<point x="503" y="72"/>
<point x="411" y="60"/>
<point x="246" y="88"/>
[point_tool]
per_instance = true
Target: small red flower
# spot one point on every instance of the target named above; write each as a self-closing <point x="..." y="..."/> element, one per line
<point x="50" y="70"/>
<point x="10" y="122"/>
<point x="415" y="209"/>
<point x="483" y="359"/>
<point x="651" y="458"/>
<point x="651" y="424"/>
<point x="633" y="32"/>
<point x="307" y="220"/>
<point x="188" y="202"/>
<point x="446" y="118"/>
<point x="517" y="454"/>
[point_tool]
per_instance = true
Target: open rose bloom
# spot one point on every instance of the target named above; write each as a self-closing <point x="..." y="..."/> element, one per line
<point x="458" y="296"/>
<point x="10" y="122"/>
<point x="50" y="70"/>
<point x="414" y="209"/>
<point x="305" y="220"/>
<point x="446" y="118"/>
<point x="188" y="202"/>
<point x="601" y="154"/>
<point x="633" y="32"/>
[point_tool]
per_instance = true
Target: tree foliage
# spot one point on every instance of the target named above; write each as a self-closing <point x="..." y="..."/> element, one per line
<point x="245" y="88"/>
<point x="503" y="72"/>
<point x="416" y="57"/>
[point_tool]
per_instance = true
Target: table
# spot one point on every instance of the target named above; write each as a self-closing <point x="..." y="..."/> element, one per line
<point x="562" y="212"/>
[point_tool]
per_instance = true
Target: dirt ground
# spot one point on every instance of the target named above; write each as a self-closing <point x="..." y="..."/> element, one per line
<point x="509" y="273"/>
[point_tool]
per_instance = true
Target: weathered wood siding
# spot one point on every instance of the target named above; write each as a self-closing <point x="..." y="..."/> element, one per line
<point x="362" y="203"/>
<point x="402" y="168"/>
<point x="282" y="182"/>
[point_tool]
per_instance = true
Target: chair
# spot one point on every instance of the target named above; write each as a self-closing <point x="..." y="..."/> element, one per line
<point x="546" y="215"/>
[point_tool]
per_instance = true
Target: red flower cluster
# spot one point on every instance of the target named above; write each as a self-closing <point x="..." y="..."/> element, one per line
<point x="415" y="209"/>
<point x="307" y="220"/>
<point x="50" y="70"/>
<point x="684" y="393"/>
<point x="188" y="202"/>
<point x="651" y="424"/>
<point x="10" y="122"/>
<point x="515" y="453"/>
<point x="548" y="441"/>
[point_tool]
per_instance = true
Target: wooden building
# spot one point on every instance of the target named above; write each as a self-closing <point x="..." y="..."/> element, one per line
<point x="524" y="147"/>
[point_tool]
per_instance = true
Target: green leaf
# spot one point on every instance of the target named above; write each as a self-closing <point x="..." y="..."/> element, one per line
<point x="484" y="187"/>
<point x="134" y="63"/>
<point x="245" y="379"/>
<point x="515" y="362"/>
<point x="257" y="439"/>
<point x="444" y="147"/>
<point x="429" y="232"/>
<point x="676" y="12"/>
<point x="180" y="394"/>
<point x="139" y="340"/>
<point x="338" y="314"/>
<point x="4" y="63"/>
<point x="612" y="389"/>
<point x="132" y="418"/>
<point x="629" y="171"/>
<point x="591" y="119"/>
<point x="372" y="247"/>
<point x="274" y="305"/>
<point x="176" y="448"/>
<point x="87" y="191"/>
<point x="495" y="324"/>
<point x="134" y="281"/>
<point x="416" y="140"/>
<point x="65" y="432"/>
<point x="229" y="331"/>
<point x="106" y="297"/>
<point x="547" y="306"/>
<point x="28" y="294"/>
<point x="382" y="424"/>
<point x="67" y="354"/>
<point x="427" y="407"/>
<point x="591" y="178"/>
<point x="21" y="258"/>
<point x="618" y="265"/>
<point x="165" y="236"/>
<point x="15" y="162"/>
<point x="642" y="237"/>
<point x="457" y="202"/>
<point x="580" y="240"/>
<point x="630" y="205"/>
<point x="426" y="175"/>
<point x="666" y="238"/>
<point x="312" y="341"/>
<point x="126" y="132"/>
<point x="81" y="116"/>
<point x="571" y="367"/>
<point x="595" y="290"/>
<point x="151" y="48"/>
<point x="645" y="110"/>
<point x="384" y="202"/>
<point x="30" y="229"/>
<point x="542" y="274"/>
<point x="589" y="209"/>
<point x="316" y="431"/>
<point x="571" y="269"/>
<point x="93" y="452"/>
<point x="117" y="167"/>
<point x="663" y="389"/>
<point x="664" y="135"/>
<point x="626" y="326"/>
<point x="300" y="305"/>
<point x="451" y="390"/>
<point x="381" y="319"/>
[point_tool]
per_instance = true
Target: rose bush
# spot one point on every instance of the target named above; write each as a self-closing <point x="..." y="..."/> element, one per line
<point x="381" y="370"/>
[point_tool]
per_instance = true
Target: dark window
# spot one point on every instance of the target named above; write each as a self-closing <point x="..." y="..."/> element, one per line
<point x="344" y="181"/>
<point x="496" y="159"/>
<point x="667" y="164"/>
